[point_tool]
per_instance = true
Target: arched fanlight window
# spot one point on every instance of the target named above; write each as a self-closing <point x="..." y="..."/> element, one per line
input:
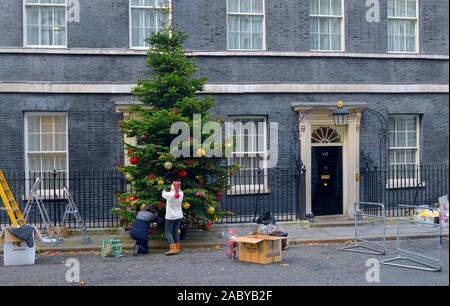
<point x="325" y="135"/>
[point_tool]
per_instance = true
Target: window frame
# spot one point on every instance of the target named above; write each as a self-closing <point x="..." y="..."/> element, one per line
<point x="343" y="34"/>
<point x="130" y="22"/>
<point x="416" y="30"/>
<point x="46" y="192"/>
<point x="25" y="24"/>
<point x="393" y="183"/>
<point x="263" y="15"/>
<point x="244" y="189"/>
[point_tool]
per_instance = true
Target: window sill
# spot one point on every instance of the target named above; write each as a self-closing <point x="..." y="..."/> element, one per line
<point x="247" y="190"/>
<point x="57" y="194"/>
<point x="45" y="47"/>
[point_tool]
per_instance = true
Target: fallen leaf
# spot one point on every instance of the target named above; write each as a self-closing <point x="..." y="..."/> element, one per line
<point x="217" y="247"/>
<point x="82" y="283"/>
<point x="284" y="265"/>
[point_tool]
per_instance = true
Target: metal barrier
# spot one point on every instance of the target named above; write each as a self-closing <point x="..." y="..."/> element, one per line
<point x="374" y="212"/>
<point x="424" y="262"/>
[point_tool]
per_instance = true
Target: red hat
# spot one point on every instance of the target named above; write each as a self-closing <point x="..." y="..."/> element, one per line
<point x="176" y="186"/>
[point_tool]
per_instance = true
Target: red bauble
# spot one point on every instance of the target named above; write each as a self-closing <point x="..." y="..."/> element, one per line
<point x="190" y="163"/>
<point x="177" y="196"/>
<point x="151" y="176"/>
<point x="199" y="195"/>
<point x="161" y="205"/>
<point x="130" y="151"/>
<point x="143" y="137"/>
<point x="218" y="195"/>
<point x="134" y="160"/>
<point x="133" y="198"/>
<point x="182" y="173"/>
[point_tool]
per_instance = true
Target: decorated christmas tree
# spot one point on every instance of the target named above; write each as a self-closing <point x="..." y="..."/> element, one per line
<point x="169" y="97"/>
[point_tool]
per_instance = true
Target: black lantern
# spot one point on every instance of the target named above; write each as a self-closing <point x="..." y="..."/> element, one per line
<point x="341" y="115"/>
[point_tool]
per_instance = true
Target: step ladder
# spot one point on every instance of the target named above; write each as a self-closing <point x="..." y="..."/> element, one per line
<point x="11" y="207"/>
<point x="35" y="199"/>
<point x="72" y="209"/>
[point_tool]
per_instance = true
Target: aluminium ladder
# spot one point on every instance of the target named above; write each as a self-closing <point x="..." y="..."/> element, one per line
<point x="72" y="209"/>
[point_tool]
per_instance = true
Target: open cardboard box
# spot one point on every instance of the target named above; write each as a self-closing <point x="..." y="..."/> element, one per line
<point x="15" y="251"/>
<point x="10" y="238"/>
<point x="260" y="249"/>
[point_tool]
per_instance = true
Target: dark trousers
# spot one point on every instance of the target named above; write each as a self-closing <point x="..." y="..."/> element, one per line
<point x="143" y="246"/>
<point x="172" y="227"/>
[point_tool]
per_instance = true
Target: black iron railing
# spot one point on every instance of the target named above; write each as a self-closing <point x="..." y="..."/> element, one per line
<point x="404" y="185"/>
<point x="94" y="193"/>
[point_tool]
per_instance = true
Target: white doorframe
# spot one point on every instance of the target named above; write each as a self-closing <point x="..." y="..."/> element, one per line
<point x="350" y="151"/>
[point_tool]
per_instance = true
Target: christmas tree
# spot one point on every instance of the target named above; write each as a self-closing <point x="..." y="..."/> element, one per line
<point x="168" y="96"/>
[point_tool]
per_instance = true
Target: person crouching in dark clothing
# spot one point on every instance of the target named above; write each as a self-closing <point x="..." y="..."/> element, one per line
<point x="140" y="229"/>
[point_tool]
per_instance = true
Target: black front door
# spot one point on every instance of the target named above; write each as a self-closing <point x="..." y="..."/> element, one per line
<point x="326" y="181"/>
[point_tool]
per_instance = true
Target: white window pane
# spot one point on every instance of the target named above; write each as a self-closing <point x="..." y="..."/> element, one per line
<point x="32" y="1"/>
<point x="46" y="16"/>
<point x="47" y="142"/>
<point x="233" y="40"/>
<point x="245" y="24"/>
<point x="48" y="162"/>
<point x="162" y="19"/>
<point x="32" y="16"/>
<point x="257" y="24"/>
<point x="60" y="36"/>
<point x="410" y="156"/>
<point x="336" y="7"/>
<point x="257" y="41"/>
<point x="411" y="8"/>
<point x="323" y="25"/>
<point x="34" y="142"/>
<point x="137" y="37"/>
<point x="391" y="43"/>
<point x="401" y="8"/>
<point x="411" y="124"/>
<point x="390" y="8"/>
<point x="60" y="162"/>
<point x="233" y="24"/>
<point x="60" y="16"/>
<point x="258" y="6"/>
<point x="325" y="7"/>
<point x="245" y="41"/>
<point x="401" y="124"/>
<point x="136" y="2"/>
<point x="412" y="139"/>
<point x="410" y="27"/>
<point x="60" y="142"/>
<point x="137" y="18"/>
<point x="33" y="35"/>
<point x="246" y="6"/>
<point x="335" y="26"/>
<point x="324" y="42"/>
<point x="401" y="139"/>
<point x="149" y="19"/>
<point x="335" y="42"/>
<point x="233" y="6"/>
<point x="46" y="36"/>
<point x="392" y="157"/>
<point x="34" y="163"/>
<point x="47" y="124"/>
<point x="33" y="124"/>
<point x="314" y="7"/>
<point x="392" y="142"/>
<point x="60" y="124"/>
<point x="314" y="26"/>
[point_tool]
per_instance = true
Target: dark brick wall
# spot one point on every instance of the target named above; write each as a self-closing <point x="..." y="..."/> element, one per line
<point x="105" y="24"/>
<point x="94" y="136"/>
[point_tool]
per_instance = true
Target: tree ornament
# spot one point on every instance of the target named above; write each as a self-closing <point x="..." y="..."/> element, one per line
<point x="190" y="163"/>
<point x="175" y="111"/>
<point x="143" y="137"/>
<point x="186" y="205"/>
<point x="143" y="206"/>
<point x="219" y="195"/>
<point x="199" y="194"/>
<point x="201" y="152"/>
<point x="151" y="176"/>
<point x="134" y="160"/>
<point x="130" y="151"/>
<point x="160" y="182"/>
<point x="161" y="205"/>
<point x="168" y="165"/>
<point x="182" y="173"/>
<point x="129" y="177"/>
<point x="133" y="198"/>
<point x="211" y="210"/>
<point x="215" y="219"/>
<point x="199" y="178"/>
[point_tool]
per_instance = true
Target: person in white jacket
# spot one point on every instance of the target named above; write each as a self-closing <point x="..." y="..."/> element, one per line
<point x="174" y="216"/>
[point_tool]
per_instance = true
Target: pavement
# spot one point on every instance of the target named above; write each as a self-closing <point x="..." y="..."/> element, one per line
<point x="299" y="233"/>
<point x="314" y="265"/>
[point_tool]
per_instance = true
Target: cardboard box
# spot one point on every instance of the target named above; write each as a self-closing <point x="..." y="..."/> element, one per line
<point x="16" y="252"/>
<point x="260" y="249"/>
